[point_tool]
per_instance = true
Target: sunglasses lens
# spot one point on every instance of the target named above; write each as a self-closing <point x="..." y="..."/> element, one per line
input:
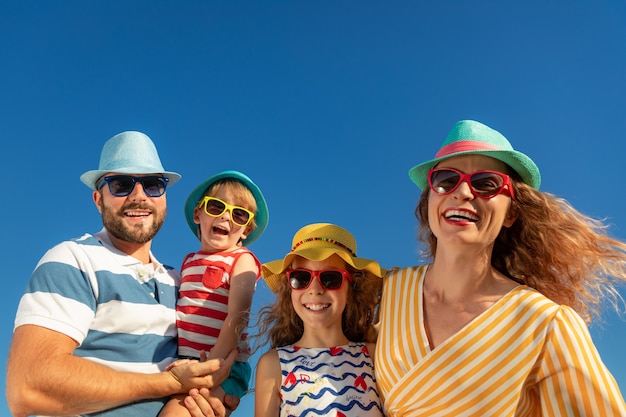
<point x="299" y="279"/>
<point x="240" y="216"/>
<point x="215" y="207"/>
<point x="153" y="186"/>
<point x="331" y="280"/>
<point x="121" y="185"/>
<point x="487" y="183"/>
<point x="443" y="181"/>
<point x="483" y="183"/>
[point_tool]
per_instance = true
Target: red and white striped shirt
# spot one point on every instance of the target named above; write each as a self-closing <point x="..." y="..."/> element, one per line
<point x="203" y="301"/>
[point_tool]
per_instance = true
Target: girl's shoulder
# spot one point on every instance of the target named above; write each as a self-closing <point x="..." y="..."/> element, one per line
<point x="268" y="372"/>
<point x="268" y="358"/>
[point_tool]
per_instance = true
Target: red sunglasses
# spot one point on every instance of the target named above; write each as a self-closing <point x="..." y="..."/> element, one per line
<point x="484" y="184"/>
<point x="330" y="279"/>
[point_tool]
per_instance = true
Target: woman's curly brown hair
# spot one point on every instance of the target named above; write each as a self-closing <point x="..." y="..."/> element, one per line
<point x="567" y="256"/>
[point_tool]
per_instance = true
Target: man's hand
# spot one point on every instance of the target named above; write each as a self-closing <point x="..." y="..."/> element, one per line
<point x="208" y="374"/>
<point x="196" y="374"/>
<point x="201" y="403"/>
<point x="179" y="362"/>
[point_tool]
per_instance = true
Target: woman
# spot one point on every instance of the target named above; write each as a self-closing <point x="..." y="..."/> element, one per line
<point x="495" y="325"/>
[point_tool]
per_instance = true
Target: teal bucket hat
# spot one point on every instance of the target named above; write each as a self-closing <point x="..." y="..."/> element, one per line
<point x="469" y="137"/>
<point x="261" y="217"/>
<point x="128" y="152"/>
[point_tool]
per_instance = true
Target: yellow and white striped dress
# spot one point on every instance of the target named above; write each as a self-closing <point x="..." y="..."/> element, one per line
<point x="524" y="356"/>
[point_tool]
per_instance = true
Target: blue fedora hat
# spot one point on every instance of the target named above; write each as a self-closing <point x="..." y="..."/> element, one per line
<point x="128" y="152"/>
<point x="260" y="218"/>
<point x="469" y="137"/>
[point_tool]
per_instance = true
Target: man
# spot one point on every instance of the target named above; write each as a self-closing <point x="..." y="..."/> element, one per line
<point x="96" y="326"/>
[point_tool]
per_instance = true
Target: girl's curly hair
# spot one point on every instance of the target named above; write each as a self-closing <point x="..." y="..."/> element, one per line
<point x="280" y="325"/>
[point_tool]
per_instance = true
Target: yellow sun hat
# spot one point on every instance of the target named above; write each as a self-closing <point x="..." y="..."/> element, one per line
<point x="318" y="242"/>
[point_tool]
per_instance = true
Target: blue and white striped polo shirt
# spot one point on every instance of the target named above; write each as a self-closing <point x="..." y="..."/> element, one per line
<point x="121" y="313"/>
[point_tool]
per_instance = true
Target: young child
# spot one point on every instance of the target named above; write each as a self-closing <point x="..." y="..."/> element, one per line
<point x="320" y="329"/>
<point x="226" y="212"/>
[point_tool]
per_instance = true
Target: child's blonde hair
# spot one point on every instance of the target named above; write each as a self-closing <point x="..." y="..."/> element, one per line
<point x="243" y="195"/>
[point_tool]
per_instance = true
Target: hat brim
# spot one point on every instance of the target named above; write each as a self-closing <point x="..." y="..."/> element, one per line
<point x="89" y="178"/>
<point x="261" y="217"/>
<point x="274" y="271"/>
<point x="519" y="162"/>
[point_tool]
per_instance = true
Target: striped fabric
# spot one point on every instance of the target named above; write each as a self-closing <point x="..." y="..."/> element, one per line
<point x="524" y="356"/>
<point x="203" y="301"/>
<point x="121" y="312"/>
<point x="335" y="382"/>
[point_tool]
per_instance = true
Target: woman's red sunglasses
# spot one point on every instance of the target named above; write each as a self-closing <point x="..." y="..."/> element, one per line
<point x="484" y="184"/>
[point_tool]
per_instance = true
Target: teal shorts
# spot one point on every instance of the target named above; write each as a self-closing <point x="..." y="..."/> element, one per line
<point x="238" y="379"/>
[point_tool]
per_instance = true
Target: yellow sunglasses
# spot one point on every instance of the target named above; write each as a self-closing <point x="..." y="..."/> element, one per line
<point x="215" y="207"/>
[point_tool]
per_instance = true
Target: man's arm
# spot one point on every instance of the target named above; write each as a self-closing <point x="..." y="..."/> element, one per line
<point x="43" y="377"/>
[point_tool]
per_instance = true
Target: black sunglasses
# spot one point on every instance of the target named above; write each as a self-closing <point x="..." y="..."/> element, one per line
<point x="123" y="185"/>
<point x="330" y="279"/>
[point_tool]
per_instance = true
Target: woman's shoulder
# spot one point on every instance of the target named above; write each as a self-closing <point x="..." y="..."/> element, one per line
<point x="552" y="317"/>
<point x="397" y="270"/>
<point x="534" y="303"/>
<point x="396" y="273"/>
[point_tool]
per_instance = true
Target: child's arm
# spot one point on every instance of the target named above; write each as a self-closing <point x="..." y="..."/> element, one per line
<point x="267" y="385"/>
<point x="242" y="285"/>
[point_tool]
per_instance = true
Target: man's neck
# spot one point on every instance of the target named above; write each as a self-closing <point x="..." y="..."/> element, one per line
<point x="139" y="251"/>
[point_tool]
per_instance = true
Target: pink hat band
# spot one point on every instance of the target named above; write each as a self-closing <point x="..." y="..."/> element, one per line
<point x="469" y="137"/>
<point x="466" y="146"/>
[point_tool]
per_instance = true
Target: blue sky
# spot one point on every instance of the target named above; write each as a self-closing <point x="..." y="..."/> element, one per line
<point x="325" y="104"/>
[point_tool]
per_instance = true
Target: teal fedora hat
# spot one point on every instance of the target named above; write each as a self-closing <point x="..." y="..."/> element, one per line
<point x="261" y="217"/>
<point x="128" y="152"/>
<point x="469" y="137"/>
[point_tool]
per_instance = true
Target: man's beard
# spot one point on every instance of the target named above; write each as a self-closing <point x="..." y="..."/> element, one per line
<point x="114" y="224"/>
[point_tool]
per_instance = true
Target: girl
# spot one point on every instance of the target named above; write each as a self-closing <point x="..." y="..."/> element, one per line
<point x="320" y="329"/>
